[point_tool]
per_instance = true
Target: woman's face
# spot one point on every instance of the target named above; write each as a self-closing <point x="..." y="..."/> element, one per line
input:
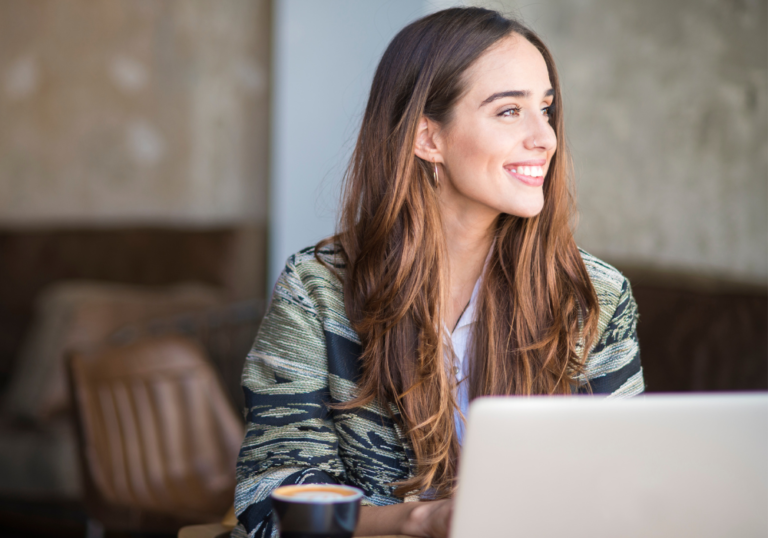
<point x="496" y="149"/>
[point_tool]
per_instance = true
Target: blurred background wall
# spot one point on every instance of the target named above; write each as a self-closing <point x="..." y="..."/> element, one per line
<point x="133" y="148"/>
<point x="134" y="142"/>
<point x="145" y="145"/>
<point x="134" y="112"/>
<point x="667" y="120"/>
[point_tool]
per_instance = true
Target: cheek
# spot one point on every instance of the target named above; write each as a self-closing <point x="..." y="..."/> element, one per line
<point x="553" y="136"/>
<point x="479" y="148"/>
<point x="464" y="145"/>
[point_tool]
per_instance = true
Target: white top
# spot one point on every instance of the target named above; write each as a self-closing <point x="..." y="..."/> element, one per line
<point x="459" y="348"/>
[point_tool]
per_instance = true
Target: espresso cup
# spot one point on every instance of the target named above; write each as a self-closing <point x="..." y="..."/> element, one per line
<point x="316" y="510"/>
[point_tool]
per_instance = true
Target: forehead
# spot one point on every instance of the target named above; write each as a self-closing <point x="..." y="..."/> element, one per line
<point x="511" y="64"/>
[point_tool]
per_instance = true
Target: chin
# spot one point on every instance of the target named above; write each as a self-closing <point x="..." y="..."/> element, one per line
<point x="526" y="211"/>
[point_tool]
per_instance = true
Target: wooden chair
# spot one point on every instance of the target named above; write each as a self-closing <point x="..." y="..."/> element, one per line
<point x="158" y="436"/>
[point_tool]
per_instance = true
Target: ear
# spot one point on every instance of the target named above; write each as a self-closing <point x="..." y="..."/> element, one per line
<point x="426" y="144"/>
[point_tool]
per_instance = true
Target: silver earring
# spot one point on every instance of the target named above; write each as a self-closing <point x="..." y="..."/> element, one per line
<point x="437" y="180"/>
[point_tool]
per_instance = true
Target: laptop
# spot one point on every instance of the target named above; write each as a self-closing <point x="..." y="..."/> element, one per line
<point x="653" y="466"/>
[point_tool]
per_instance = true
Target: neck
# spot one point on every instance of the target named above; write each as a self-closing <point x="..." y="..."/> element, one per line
<point x="468" y="238"/>
<point x="467" y="247"/>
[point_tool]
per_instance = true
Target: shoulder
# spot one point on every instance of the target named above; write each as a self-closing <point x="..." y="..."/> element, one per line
<point x="606" y="279"/>
<point x="329" y="255"/>
<point x="306" y="260"/>
<point x="304" y="272"/>
<point x="313" y="279"/>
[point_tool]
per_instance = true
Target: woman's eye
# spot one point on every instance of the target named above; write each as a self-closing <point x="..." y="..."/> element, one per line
<point x="514" y="111"/>
<point x="547" y="110"/>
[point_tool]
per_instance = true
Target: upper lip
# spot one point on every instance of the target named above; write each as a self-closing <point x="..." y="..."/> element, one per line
<point x="533" y="162"/>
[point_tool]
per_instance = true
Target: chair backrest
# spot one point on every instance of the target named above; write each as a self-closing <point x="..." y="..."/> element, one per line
<point x="226" y="333"/>
<point x="156" y="429"/>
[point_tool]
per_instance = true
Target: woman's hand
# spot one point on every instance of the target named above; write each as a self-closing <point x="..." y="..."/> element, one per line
<point x="430" y="519"/>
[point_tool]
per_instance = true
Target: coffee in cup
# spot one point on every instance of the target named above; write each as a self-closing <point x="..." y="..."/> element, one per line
<point x="316" y="510"/>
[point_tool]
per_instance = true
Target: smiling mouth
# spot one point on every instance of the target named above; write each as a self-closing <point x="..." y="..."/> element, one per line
<point x="530" y="175"/>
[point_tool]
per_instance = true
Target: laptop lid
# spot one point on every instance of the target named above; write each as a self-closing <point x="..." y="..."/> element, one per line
<point x="656" y="465"/>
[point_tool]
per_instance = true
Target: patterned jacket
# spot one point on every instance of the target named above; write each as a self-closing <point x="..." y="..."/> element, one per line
<point x="306" y="354"/>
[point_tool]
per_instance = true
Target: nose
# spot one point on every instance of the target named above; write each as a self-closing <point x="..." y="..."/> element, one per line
<point x="541" y="135"/>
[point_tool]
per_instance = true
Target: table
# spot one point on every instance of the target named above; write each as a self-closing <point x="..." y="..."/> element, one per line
<point x="217" y="530"/>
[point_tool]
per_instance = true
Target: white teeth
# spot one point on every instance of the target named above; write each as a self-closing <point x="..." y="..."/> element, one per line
<point x="530" y="171"/>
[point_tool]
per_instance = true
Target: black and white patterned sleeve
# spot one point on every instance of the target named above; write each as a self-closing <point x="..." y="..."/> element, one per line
<point x="613" y="367"/>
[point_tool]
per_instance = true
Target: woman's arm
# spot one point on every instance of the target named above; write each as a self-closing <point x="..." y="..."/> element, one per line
<point x="613" y="366"/>
<point x="425" y="519"/>
<point x="290" y="435"/>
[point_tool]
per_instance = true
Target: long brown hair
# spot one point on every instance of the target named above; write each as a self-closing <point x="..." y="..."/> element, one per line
<point x="537" y="311"/>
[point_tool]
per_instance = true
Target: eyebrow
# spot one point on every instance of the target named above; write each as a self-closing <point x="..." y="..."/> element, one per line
<point x="514" y="93"/>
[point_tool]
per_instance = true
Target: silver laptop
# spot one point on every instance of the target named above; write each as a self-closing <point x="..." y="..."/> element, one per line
<point x="654" y="466"/>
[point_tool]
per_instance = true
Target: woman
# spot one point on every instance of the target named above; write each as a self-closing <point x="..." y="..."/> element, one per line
<point x="454" y="274"/>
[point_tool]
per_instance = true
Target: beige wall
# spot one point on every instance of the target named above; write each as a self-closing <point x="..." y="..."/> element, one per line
<point x="157" y="112"/>
<point x="668" y="124"/>
<point x="133" y="112"/>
